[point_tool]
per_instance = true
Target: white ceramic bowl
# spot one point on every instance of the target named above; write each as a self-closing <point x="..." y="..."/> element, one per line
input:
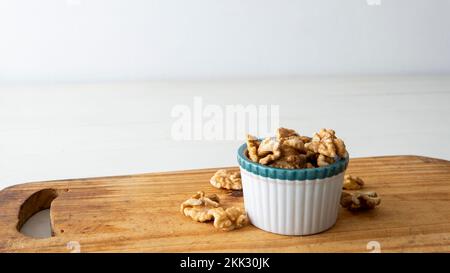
<point x="291" y="202"/>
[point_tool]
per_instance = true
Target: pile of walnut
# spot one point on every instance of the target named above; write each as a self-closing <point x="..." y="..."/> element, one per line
<point x="290" y="150"/>
<point x="357" y="200"/>
<point x="203" y="208"/>
<point x="287" y="150"/>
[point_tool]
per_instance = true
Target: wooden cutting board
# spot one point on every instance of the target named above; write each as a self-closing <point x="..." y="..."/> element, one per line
<point x="140" y="213"/>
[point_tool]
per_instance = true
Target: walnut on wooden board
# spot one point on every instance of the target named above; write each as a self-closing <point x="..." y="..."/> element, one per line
<point x="203" y="208"/>
<point x="198" y="206"/>
<point x="230" y="218"/>
<point x="227" y="179"/>
<point x="252" y="148"/>
<point x="360" y="200"/>
<point x="326" y="143"/>
<point x="352" y="182"/>
<point x="269" y="150"/>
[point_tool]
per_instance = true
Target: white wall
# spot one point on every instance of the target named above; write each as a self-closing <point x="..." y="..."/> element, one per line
<point x="101" y="40"/>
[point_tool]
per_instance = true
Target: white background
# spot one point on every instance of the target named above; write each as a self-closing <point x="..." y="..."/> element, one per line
<point x="112" y="40"/>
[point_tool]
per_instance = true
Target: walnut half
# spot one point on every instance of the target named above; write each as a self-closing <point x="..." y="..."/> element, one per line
<point x="252" y="148"/>
<point x="198" y="205"/>
<point x="327" y="144"/>
<point x="324" y="160"/>
<point x="360" y="200"/>
<point x="269" y="151"/>
<point x="352" y="182"/>
<point x="230" y="218"/>
<point x="203" y="208"/>
<point x="227" y="179"/>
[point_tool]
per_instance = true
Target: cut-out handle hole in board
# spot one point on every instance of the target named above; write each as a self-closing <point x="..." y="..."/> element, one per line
<point x="34" y="214"/>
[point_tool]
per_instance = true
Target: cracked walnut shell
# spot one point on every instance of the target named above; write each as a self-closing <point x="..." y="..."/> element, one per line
<point x="352" y="182"/>
<point x="360" y="200"/>
<point x="227" y="179"/>
<point x="197" y="207"/>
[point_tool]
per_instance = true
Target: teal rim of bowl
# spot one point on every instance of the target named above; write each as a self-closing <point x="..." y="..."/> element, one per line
<point x="290" y="174"/>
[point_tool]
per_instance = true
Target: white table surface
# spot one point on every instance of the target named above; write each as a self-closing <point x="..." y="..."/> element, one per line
<point x="86" y="130"/>
<point x="83" y="130"/>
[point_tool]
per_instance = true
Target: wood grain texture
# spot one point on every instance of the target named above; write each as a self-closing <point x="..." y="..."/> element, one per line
<point x="140" y="213"/>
